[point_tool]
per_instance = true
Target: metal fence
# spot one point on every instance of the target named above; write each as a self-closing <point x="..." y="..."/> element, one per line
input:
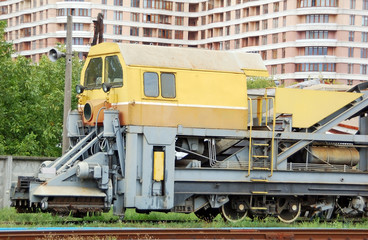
<point x="13" y="166"/>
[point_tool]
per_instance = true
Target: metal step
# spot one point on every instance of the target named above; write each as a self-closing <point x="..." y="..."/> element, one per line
<point x="258" y="208"/>
<point x="258" y="180"/>
<point x="259" y="192"/>
<point x="261" y="168"/>
<point x="260" y="156"/>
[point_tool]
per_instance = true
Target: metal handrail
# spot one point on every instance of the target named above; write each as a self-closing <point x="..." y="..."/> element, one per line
<point x="250" y="134"/>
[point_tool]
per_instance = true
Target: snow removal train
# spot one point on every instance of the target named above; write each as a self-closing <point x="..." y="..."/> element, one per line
<point x="174" y="130"/>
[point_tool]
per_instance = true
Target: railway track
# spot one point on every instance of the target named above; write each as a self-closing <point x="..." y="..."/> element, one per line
<point x="203" y="233"/>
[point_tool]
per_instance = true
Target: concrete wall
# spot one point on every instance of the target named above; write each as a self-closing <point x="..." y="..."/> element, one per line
<point x="13" y="166"/>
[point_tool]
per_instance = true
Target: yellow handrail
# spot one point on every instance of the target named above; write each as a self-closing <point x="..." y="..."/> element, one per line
<point x="273" y="127"/>
<point x="250" y="133"/>
<point x="273" y="132"/>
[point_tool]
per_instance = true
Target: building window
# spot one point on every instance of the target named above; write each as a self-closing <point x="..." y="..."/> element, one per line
<point x="179" y="34"/>
<point x="237" y="44"/>
<point x="150" y="82"/>
<point x="118" y="15"/>
<point x="203" y="20"/>
<point x="284" y="21"/>
<point x="118" y="2"/>
<point x="237" y="28"/>
<point x="265" y="9"/>
<point x="351" y="52"/>
<point x="350" y="68"/>
<point x="118" y="30"/>
<point x="147" y="32"/>
<point x="364" y="53"/>
<point x="284" y="37"/>
<point x="83" y="12"/>
<point x="352" y="4"/>
<point x="134" y="3"/>
<point x="275" y="38"/>
<point x="227" y="45"/>
<point x="365" y="4"/>
<point x="275" y="23"/>
<point x="228" y="16"/>
<point x="77" y="26"/>
<point x="179" y="7"/>
<point x="364" y="37"/>
<point x="316" y="3"/>
<point x="164" y="33"/>
<point x="315" y="51"/>
<point x="285" y="5"/>
<point x="351" y="36"/>
<point x="365" y="21"/>
<point x="363" y="68"/>
<point x="264" y="24"/>
<point x="256" y="26"/>
<point x="264" y="40"/>
<point x="317" y="34"/>
<point x="317" y="18"/>
<point x="204" y="6"/>
<point x="315" y="67"/>
<point x="274" y="54"/>
<point x="134" y="31"/>
<point x="134" y="17"/>
<point x="237" y="14"/>
<point x="273" y="69"/>
<point x="227" y="30"/>
<point x="350" y="82"/>
<point x="179" y="21"/>
<point x="276" y="7"/>
<point x="264" y="55"/>
<point x="77" y="41"/>
<point x="352" y="19"/>
<point x="282" y="68"/>
<point x="103" y="1"/>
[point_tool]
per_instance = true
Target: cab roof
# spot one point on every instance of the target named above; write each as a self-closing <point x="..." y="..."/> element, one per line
<point x="183" y="57"/>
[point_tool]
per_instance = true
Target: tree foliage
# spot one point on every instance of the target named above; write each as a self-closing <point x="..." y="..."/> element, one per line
<point x="31" y="103"/>
<point x="260" y="82"/>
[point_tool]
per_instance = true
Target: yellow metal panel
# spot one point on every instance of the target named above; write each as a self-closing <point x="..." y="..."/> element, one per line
<point x="309" y="106"/>
<point x="158" y="166"/>
<point x="104" y="49"/>
<point x="256" y="72"/>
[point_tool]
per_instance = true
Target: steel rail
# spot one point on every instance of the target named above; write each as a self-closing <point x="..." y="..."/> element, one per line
<point x="183" y="233"/>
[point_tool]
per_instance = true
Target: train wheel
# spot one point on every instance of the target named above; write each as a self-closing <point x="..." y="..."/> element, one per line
<point x="207" y="214"/>
<point x="232" y="214"/>
<point x="289" y="209"/>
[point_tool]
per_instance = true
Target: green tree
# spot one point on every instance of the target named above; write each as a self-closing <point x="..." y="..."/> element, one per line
<point x="260" y="82"/>
<point x="31" y="103"/>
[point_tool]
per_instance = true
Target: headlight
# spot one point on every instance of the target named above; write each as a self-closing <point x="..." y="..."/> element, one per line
<point x="106" y="87"/>
<point x="87" y="112"/>
<point x="79" y="89"/>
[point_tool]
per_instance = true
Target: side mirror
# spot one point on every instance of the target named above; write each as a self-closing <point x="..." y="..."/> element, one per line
<point x="106" y="87"/>
<point x="79" y="89"/>
<point x="54" y="54"/>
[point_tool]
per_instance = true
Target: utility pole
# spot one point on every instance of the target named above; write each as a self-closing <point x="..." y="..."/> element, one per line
<point x="68" y="81"/>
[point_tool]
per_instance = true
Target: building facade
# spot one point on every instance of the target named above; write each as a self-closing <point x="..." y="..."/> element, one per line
<point x="298" y="39"/>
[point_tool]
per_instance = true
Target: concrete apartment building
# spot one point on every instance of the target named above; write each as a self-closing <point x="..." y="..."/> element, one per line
<point x="298" y="39"/>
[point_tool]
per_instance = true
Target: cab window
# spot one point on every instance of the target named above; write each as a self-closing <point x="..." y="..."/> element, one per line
<point x="168" y="85"/>
<point x="113" y="71"/>
<point x="150" y="82"/>
<point x="93" y="74"/>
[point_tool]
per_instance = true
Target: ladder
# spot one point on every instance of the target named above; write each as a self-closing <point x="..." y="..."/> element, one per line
<point x="263" y="143"/>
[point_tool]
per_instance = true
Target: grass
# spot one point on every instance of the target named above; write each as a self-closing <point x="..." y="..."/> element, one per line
<point x="9" y="219"/>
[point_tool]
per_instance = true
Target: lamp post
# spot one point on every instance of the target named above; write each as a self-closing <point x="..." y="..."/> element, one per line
<point x="68" y="82"/>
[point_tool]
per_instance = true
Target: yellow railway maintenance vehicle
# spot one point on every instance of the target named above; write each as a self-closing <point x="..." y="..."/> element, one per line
<point x="173" y="129"/>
